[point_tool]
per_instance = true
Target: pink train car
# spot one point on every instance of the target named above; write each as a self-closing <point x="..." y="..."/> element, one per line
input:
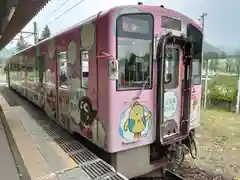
<point x="127" y="79"/>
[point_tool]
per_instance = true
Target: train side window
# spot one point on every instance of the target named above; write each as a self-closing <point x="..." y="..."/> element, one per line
<point x="84" y="68"/>
<point x="63" y="80"/>
<point x="197" y="38"/>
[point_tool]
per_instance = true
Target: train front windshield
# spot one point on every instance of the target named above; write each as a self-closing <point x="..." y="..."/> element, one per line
<point x="134" y="51"/>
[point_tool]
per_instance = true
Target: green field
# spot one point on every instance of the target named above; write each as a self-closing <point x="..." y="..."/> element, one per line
<point x="218" y="140"/>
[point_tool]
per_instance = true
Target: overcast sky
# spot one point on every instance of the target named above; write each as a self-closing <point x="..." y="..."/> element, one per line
<point x="222" y="27"/>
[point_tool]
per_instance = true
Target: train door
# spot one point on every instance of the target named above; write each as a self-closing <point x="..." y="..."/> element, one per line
<point x="61" y="89"/>
<point x="173" y="72"/>
<point x="41" y="70"/>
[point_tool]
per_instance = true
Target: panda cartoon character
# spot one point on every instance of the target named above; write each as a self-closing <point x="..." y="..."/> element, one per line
<point x="87" y="116"/>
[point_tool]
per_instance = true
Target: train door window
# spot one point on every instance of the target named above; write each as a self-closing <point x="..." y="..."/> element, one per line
<point x="36" y="69"/>
<point x="172" y="67"/>
<point x="85" y="68"/>
<point x="63" y="80"/>
<point x="41" y="68"/>
<point x="197" y="37"/>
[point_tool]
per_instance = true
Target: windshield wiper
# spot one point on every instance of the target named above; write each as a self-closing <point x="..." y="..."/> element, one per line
<point x="143" y="87"/>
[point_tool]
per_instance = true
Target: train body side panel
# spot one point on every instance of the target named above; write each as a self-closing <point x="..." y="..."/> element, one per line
<point x="89" y="103"/>
<point x="102" y="125"/>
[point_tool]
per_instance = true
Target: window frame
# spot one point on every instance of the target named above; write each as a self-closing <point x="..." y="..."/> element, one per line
<point x="199" y="61"/>
<point x="81" y="66"/>
<point x="199" y="57"/>
<point x="151" y="53"/>
<point x="59" y="74"/>
<point x="41" y="59"/>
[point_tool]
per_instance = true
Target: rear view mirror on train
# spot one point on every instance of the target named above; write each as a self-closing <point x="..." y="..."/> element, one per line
<point x="113" y="69"/>
<point x="112" y="65"/>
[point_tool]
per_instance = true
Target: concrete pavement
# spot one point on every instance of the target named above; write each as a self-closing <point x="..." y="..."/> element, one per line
<point x="42" y="150"/>
<point x="8" y="169"/>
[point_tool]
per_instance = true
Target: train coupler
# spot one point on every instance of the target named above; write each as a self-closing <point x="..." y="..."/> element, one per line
<point x="191" y="145"/>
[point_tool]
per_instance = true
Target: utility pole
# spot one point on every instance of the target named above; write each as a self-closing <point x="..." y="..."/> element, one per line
<point x="238" y="87"/>
<point x="202" y="18"/>
<point x="35" y="32"/>
<point x="238" y="96"/>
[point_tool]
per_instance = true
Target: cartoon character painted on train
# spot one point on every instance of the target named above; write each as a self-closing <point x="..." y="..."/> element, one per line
<point x="87" y="116"/>
<point x="138" y="122"/>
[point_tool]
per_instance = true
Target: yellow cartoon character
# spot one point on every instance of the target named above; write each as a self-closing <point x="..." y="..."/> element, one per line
<point x="137" y="121"/>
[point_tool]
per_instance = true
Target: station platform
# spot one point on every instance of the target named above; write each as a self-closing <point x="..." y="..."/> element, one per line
<point x="8" y="168"/>
<point x="43" y="151"/>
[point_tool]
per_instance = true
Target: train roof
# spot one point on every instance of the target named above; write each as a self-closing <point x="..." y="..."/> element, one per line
<point x="77" y="25"/>
<point x="59" y="33"/>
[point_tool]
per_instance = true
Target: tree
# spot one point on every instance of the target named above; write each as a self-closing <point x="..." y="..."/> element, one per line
<point x="22" y="44"/>
<point x="213" y="64"/>
<point x="223" y="55"/>
<point x="213" y="60"/>
<point x="237" y="62"/>
<point x="230" y="65"/>
<point x="45" y="33"/>
<point x="210" y="55"/>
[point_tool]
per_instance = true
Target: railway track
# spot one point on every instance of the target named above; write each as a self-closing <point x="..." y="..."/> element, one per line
<point x="167" y="175"/>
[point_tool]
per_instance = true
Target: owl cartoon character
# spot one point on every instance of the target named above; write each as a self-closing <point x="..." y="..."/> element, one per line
<point x="137" y="120"/>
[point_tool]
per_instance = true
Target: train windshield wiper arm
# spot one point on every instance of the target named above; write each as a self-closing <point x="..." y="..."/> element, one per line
<point x="143" y="87"/>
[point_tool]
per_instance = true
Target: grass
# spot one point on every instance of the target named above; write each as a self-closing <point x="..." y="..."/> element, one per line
<point x="218" y="140"/>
